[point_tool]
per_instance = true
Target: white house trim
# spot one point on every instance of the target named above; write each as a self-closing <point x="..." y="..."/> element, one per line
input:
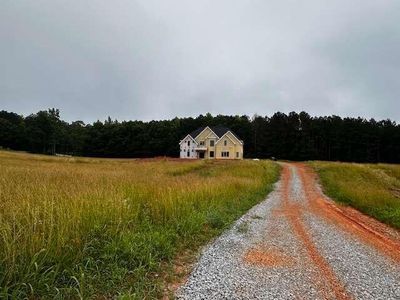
<point x="212" y="132"/>
<point x="204" y="130"/>
<point x="199" y="146"/>
<point x="188" y="148"/>
<point x="230" y="138"/>
<point x="190" y="138"/>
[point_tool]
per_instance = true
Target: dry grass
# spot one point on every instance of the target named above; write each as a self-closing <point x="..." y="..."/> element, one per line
<point x="371" y="188"/>
<point x="79" y="227"/>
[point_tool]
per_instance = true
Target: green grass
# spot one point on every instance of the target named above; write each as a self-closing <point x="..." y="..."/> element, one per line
<point x="373" y="189"/>
<point x="91" y="228"/>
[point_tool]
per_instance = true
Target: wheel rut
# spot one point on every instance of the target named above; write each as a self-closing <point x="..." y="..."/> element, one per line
<point x="299" y="245"/>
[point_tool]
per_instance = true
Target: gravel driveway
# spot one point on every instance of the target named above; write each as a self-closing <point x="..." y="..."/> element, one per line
<point x="298" y="244"/>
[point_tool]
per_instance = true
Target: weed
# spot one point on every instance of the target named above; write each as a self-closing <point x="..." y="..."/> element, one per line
<point x="370" y="188"/>
<point x="101" y="228"/>
<point x="243" y="227"/>
<point x="256" y="217"/>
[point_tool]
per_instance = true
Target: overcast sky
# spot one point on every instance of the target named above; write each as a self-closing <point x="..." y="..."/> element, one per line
<point x="160" y="59"/>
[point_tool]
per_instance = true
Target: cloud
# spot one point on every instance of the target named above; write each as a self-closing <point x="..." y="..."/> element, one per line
<point x="159" y="59"/>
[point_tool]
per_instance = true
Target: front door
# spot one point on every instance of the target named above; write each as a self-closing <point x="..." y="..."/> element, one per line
<point x="201" y="155"/>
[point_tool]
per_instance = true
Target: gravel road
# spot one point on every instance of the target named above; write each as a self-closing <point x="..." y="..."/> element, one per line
<point x="299" y="244"/>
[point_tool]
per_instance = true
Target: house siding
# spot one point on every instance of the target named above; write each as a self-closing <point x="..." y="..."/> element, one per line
<point x="233" y="145"/>
<point x="203" y="135"/>
<point x="185" y="148"/>
<point x="211" y="148"/>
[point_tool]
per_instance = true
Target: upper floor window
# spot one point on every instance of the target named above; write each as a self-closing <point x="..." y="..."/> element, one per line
<point x="212" y="143"/>
<point x="188" y="143"/>
<point x="225" y="143"/>
<point x="201" y="143"/>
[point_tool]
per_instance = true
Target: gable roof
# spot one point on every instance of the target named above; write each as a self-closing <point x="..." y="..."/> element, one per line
<point x="188" y="135"/>
<point x="218" y="130"/>
<point x="196" y="132"/>
<point x="226" y="134"/>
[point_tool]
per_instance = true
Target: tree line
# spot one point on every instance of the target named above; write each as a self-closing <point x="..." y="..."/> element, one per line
<point x="293" y="136"/>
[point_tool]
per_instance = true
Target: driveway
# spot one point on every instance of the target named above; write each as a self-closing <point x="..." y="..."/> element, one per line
<point x="298" y="244"/>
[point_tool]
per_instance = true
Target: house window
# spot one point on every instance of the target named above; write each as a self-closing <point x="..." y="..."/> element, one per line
<point x="237" y="154"/>
<point x="225" y="143"/>
<point x="188" y="143"/>
<point x="212" y="143"/>
<point x="211" y="153"/>
<point x="201" y="143"/>
<point x="225" y="154"/>
<point x="188" y="154"/>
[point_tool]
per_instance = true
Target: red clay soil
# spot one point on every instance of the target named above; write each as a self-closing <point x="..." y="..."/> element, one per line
<point x="271" y="258"/>
<point x="382" y="237"/>
<point x="330" y="282"/>
<point x="176" y="275"/>
<point x="370" y="231"/>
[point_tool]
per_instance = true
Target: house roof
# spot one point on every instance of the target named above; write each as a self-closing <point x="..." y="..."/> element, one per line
<point x="188" y="135"/>
<point x="196" y="132"/>
<point x="218" y="130"/>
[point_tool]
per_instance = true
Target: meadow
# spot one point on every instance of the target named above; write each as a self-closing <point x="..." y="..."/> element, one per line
<point x="373" y="189"/>
<point x="107" y="228"/>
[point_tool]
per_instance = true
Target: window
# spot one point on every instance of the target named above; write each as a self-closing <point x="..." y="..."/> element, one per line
<point x="225" y="154"/>
<point x="225" y="143"/>
<point x="201" y="143"/>
<point x="237" y="154"/>
<point x="188" y="154"/>
<point x="212" y="143"/>
<point x="211" y="154"/>
<point x="188" y="143"/>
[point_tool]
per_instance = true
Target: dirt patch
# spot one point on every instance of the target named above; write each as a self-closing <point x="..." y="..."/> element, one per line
<point x="176" y="275"/>
<point x="267" y="258"/>
<point x="382" y="237"/>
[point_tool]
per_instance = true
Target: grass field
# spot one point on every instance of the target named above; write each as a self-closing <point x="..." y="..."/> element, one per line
<point x="371" y="188"/>
<point x="93" y="228"/>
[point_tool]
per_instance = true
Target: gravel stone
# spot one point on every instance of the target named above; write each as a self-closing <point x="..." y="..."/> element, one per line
<point x="223" y="272"/>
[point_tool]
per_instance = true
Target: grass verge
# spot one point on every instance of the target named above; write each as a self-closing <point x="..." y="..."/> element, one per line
<point x="94" y="228"/>
<point x="373" y="189"/>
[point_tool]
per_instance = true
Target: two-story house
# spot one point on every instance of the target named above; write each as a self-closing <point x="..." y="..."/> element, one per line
<point x="211" y="142"/>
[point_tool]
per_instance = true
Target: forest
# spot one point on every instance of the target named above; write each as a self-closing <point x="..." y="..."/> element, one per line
<point x="293" y="136"/>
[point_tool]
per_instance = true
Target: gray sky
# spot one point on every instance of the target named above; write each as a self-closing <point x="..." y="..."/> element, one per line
<point x="159" y="59"/>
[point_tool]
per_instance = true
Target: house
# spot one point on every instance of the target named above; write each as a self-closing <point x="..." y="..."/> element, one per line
<point x="211" y="142"/>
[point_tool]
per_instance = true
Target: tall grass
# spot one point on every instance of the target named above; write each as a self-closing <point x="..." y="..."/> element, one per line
<point x="371" y="188"/>
<point x="89" y="228"/>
